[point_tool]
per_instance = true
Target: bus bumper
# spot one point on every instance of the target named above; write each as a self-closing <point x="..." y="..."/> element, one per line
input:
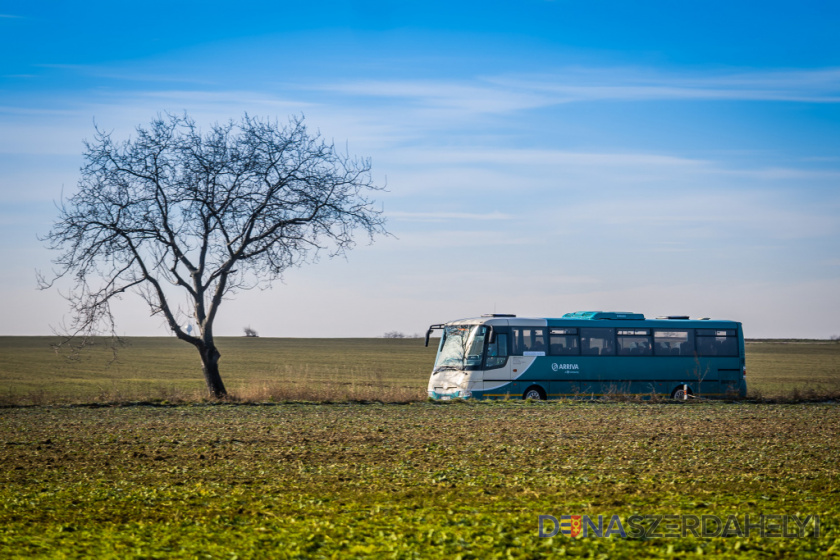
<point x="449" y="394"/>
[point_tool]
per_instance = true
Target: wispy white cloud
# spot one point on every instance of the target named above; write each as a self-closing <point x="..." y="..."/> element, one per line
<point x="405" y="111"/>
<point x="59" y="127"/>
<point x="506" y="93"/>
<point x="575" y="84"/>
<point x="39" y="111"/>
<point x="444" y="216"/>
<point x="741" y="217"/>
<point x="470" y="97"/>
<point x="75" y="67"/>
<point x="507" y="156"/>
<point x="784" y="173"/>
<point x="220" y="98"/>
<point x="821" y="159"/>
<point x="423" y="239"/>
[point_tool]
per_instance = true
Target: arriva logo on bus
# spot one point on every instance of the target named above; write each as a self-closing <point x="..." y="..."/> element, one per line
<point x="567" y="367"/>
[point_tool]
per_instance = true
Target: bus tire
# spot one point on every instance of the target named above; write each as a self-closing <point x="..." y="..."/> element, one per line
<point x="677" y="394"/>
<point x="534" y="392"/>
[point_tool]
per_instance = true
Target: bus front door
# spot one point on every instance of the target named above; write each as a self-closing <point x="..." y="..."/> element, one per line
<point x="497" y="364"/>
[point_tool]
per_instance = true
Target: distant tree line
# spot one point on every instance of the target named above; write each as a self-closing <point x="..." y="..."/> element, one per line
<point x="398" y="334"/>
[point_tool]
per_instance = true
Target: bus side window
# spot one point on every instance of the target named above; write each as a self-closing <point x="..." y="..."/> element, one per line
<point x="597" y="342"/>
<point x="634" y="342"/>
<point x="673" y="343"/>
<point x="563" y="342"/>
<point x="528" y="340"/>
<point x="538" y="340"/>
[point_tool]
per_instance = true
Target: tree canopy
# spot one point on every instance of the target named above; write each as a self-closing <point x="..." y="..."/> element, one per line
<point x="175" y="210"/>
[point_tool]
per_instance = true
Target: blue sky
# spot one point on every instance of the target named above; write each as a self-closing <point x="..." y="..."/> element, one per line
<point x="541" y="157"/>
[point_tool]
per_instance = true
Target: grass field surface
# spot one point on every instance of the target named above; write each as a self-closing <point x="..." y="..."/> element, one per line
<point x="252" y="368"/>
<point x="422" y="480"/>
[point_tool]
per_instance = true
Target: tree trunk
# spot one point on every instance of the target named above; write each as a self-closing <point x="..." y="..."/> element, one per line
<point x="210" y="364"/>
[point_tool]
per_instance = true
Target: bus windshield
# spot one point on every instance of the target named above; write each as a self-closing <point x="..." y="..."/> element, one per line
<point x="462" y="347"/>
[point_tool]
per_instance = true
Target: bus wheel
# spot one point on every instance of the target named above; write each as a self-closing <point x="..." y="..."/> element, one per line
<point x="679" y="393"/>
<point x="535" y="393"/>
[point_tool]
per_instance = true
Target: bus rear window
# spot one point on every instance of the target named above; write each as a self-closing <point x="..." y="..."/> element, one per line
<point x="717" y="342"/>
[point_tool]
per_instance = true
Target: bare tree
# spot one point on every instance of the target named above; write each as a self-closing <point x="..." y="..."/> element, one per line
<point x="393" y="334"/>
<point x="175" y="212"/>
<point x="250" y="333"/>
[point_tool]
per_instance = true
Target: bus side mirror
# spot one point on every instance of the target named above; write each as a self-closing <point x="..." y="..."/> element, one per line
<point x="491" y="336"/>
<point x="429" y="332"/>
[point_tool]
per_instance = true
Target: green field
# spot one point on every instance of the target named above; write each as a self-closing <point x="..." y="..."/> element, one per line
<point x="303" y="462"/>
<point x="266" y="369"/>
<point x="422" y="480"/>
<point x="790" y="368"/>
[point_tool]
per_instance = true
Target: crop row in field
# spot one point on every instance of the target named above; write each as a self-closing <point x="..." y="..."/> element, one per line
<point x="416" y="480"/>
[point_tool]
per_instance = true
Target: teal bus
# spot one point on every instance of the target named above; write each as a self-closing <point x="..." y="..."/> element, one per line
<point x="588" y="353"/>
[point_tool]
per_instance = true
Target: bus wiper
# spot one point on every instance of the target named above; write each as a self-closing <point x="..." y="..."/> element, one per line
<point x="441" y="368"/>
